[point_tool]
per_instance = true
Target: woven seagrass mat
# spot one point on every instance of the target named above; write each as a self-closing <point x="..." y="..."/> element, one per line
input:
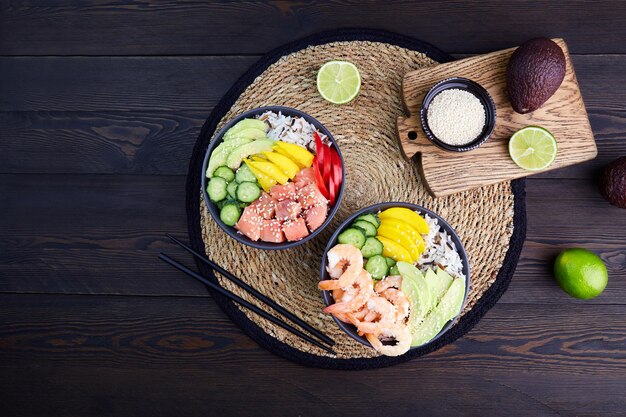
<point x="490" y="221"/>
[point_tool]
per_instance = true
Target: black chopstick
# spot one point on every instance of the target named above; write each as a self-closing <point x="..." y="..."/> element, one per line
<point x="255" y="293"/>
<point x="243" y="302"/>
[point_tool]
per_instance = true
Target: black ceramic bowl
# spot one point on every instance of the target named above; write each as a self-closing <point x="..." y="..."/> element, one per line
<point x="214" y="210"/>
<point x="376" y="208"/>
<point x="479" y="92"/>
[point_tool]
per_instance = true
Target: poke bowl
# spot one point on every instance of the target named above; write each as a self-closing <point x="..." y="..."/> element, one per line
<point x="273" y="178"/>
<point x="394" y="276"/>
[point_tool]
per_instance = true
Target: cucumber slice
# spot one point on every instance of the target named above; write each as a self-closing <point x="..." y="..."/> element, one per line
<point x="231" y="189"/>
<point x="247" y="192"/>
<point x="372" y="247"/>
<point x="225" y="173"/>
<point x="377" y="267"/>
<point x="352" y="236"/>
<point x="217" y="189"/>
<point x="244" y="174"/>
<point x="390" y="262"/>
<point x="230" y="214"/>
<point x="368" y="228"/>
<point x="372" y="218"/>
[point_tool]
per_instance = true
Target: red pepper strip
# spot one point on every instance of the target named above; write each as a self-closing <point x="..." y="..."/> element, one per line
<point x="332" y="191"/>
<point x="327" y="170"/>
<point x="337" y="169"/>
<point x="319" y="180"/>
<point x="323" y="153"/>
<point x="319" y="149"/>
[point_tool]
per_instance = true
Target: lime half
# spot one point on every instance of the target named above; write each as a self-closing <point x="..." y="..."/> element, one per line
<point x="533" y="148"/>
<point x="338" y="81"/>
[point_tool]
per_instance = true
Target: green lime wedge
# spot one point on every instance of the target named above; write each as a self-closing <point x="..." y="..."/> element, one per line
<point x="533" y="148"/>
<point x="338" y="81"/>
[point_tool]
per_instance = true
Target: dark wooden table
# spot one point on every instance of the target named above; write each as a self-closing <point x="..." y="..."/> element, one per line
<point x="100" y="105"/>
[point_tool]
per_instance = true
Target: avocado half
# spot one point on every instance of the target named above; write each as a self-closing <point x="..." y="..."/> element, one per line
<point x="534" y="73"/>
<point x="613" y="182"/>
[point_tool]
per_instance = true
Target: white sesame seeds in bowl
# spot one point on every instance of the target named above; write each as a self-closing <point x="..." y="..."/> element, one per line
<point x="458" y="114"/>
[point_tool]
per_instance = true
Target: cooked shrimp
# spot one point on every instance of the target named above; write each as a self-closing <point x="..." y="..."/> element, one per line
<point x="399" y="300"/>
<point x="349" y="305"/>
<point x="329" y="285"/>
<point x="393" y="281"/>
<point x="338" y="295"/>
<point x="345" y="263"/>
<point x="390" y="339"/>
<point x="346" y="318"/>
<point x="380" y="309"/>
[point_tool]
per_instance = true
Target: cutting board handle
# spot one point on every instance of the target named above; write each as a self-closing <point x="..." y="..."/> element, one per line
<point x="411" y="137"/>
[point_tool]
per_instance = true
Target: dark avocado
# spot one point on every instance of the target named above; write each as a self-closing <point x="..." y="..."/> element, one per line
<point x="534" y="73"/>
<point x="613" y="182"/>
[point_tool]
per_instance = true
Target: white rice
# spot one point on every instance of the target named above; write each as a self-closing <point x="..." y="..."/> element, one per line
<point x="440" y="250"/>
<point x="291" y="129"/>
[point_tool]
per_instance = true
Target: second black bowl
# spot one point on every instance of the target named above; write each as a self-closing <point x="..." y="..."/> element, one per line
<point x="376" y="208"/>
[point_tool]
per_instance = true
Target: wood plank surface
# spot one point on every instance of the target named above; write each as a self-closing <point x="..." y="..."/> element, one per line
<point x="87" y="138"/>
<point x="169" y="27"/>
<point x="109" y="243"/>
<point x="446" y="172"/>
<point x="117" y="83"/>
<point x="129" y="355"/>
<point x="100" y="105"/>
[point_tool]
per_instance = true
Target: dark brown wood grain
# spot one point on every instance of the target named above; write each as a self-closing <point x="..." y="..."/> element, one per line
<point x="85" y="138"/>
<point x="134" y="27"/>
<point x="117" y="83"/>
<point x="185" y="348"/>
<point x="100" y="105"/>
<point x="137" y="142"/>
<point x="108" y="244"/>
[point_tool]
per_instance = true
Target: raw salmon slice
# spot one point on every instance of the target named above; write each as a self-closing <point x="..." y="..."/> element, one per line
<point x="315" y="216"/>
<point x="250" y="223"/>
<point x="272" y="231"/>
<point x="265" y="206"/>
<point x="304" y="178"/>
<point x="295" y="229"/>
<point x="284" y="192"/>
<point x="288" y="210"/>
<point x="310" y="196"/>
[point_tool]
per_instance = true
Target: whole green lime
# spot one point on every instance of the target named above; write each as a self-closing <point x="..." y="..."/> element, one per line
<point x="581" y="273"/>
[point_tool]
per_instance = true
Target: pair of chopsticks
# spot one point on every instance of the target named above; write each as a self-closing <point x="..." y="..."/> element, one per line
<point x="321" y="336"/>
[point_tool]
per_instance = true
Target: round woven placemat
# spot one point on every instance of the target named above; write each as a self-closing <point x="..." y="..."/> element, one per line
<point x="489" y="220"/>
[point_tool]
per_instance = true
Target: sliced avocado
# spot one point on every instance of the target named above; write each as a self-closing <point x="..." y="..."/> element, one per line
<point x="244" y="125"/>
<point x="254" y="134"/>
<point x="448" y="308"/>
<point x="221" y="152"/>
<point x="438" y="283"/>
<point x="238" y="154"/>
<point x="421" y="300"/>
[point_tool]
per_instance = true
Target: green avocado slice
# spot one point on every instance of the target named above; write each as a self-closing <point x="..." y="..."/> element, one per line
<point x="245" y="124"/>
<point x="448" y="308"/>
<point x="438" y="283"/>
<point x="220" y="154"/>
<point x="417" y="292"/>
<point x="238" y="154"/>
<point x="254" y="134"/>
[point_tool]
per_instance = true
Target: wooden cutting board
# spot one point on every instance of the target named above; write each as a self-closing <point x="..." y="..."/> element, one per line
<point x="446" y="172"/>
